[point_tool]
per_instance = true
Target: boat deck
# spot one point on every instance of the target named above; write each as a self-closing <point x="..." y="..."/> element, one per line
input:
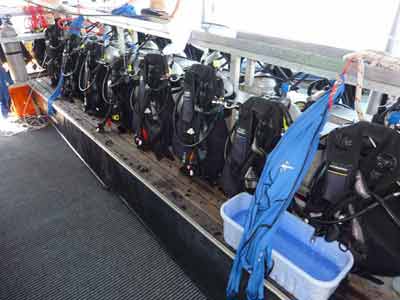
<point x="193" y="200"/>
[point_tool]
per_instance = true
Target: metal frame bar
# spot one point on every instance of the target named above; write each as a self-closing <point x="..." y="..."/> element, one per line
<point x="310" y="58"/>
<point x="23" y="37"/>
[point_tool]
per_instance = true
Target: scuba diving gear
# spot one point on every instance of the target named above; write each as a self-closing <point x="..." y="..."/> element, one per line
<point x="355" y="198"/>
<point x="54" y="51"/>
<point x="91" y="75"/>
<point x="75" y="54"/>
<point x="39" y="51"/>
<point x="346" y="99"/>
<point x="259" y="128"/>
<point x="70" y="65"/>
<point x="117" y="90"/>
<point x="281" y="177"/>
<point x="200" y="130"/>
<point x="73" y="35"/>
<point x="389" y="115"/>
<point x="152" y="106"/>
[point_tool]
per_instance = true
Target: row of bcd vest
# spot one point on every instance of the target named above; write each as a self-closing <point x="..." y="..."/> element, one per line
<point x="352" y="193"/>
<point x="182" y="118"/>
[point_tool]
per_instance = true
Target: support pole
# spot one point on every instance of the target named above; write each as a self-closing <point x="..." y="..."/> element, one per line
<point x="393" y="48"/>
<point x="250" y="71"/>
<point x="14" y="54"/>
<point x="235" y="72"/>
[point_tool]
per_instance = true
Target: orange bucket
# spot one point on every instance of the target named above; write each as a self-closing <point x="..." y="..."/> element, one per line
<point x="21" y="99"/>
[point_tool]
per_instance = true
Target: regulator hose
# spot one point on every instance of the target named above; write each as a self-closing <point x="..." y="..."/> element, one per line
<point x="379" y="202"/>
<point x="205" y="135"/>
<point x="84" y="89"/>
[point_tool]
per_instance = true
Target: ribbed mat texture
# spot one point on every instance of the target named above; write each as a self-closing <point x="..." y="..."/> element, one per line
<point x="64" y="237"/>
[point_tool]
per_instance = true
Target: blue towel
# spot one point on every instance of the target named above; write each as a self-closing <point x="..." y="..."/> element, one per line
<point x="126" y="10"/>
<point x="282" y="175"/>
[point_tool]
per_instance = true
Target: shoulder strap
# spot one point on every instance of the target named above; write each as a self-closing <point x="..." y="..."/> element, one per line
<point x="343" y="155"/>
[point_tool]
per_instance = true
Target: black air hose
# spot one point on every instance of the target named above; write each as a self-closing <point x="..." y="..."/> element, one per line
<point x="205" y="136"/>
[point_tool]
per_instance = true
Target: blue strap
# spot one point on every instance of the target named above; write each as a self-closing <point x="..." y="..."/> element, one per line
<point x="285" y="87"/>
<point x="55" y="95"/>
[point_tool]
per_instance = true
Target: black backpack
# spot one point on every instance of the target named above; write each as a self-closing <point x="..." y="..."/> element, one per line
<point x="54" y="49"/>
<point x="91" y="74"/>
<point x="355" y="196"/>
<point x="200" y="130"/>
<point x="70" y="66"/>
<point x="118" y="91"/>
<point x="152" y="107"/>
<point x="260" y="125"/>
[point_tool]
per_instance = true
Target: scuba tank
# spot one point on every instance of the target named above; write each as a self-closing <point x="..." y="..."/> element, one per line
<point x="354" y="196"/>
<point x="389" y="115"/>
<point x="152" y="106"/>
<point x="39" y="52"/>
<point x="117" y="90"/>
<point x="200" y="130"/>
<point x="54" y="51"/>
<point x="70" y="65"/>
<point x="14" y="54"/>
<point x="322" y="85"/>
<point x="261" y="123"/>
<point x="78" y="58"/>
<point x="91" y="75"/>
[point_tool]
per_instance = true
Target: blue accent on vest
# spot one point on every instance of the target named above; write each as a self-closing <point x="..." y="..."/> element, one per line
<point x="285" y="88"/>
<point x="394" y="118"/>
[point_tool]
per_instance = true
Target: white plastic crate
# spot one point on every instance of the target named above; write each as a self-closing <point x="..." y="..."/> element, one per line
<point x="308" y="270"/>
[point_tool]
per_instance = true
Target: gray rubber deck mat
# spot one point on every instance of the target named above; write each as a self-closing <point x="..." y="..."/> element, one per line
<point x="62" y="236"/>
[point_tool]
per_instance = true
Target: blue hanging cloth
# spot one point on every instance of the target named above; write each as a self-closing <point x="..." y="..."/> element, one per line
<point x="74" y="30"/>
<point x="55" y="95"/>
<point x="126" y="10"/>
<point x="5" y="81"/>
<point x="282" y="175"/>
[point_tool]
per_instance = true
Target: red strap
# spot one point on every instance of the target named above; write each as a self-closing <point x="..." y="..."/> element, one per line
<point x="335" y="86"/>
<point x="145" y="135"/>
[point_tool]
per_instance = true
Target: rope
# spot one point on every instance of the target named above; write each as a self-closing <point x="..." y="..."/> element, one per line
<point x="39" y="121"/>
<point x="373" y="59"/>
<point x="351" y="59"/>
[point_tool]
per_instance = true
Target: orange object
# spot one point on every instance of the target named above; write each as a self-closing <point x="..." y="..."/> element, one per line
<point x="21" y="99"/>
